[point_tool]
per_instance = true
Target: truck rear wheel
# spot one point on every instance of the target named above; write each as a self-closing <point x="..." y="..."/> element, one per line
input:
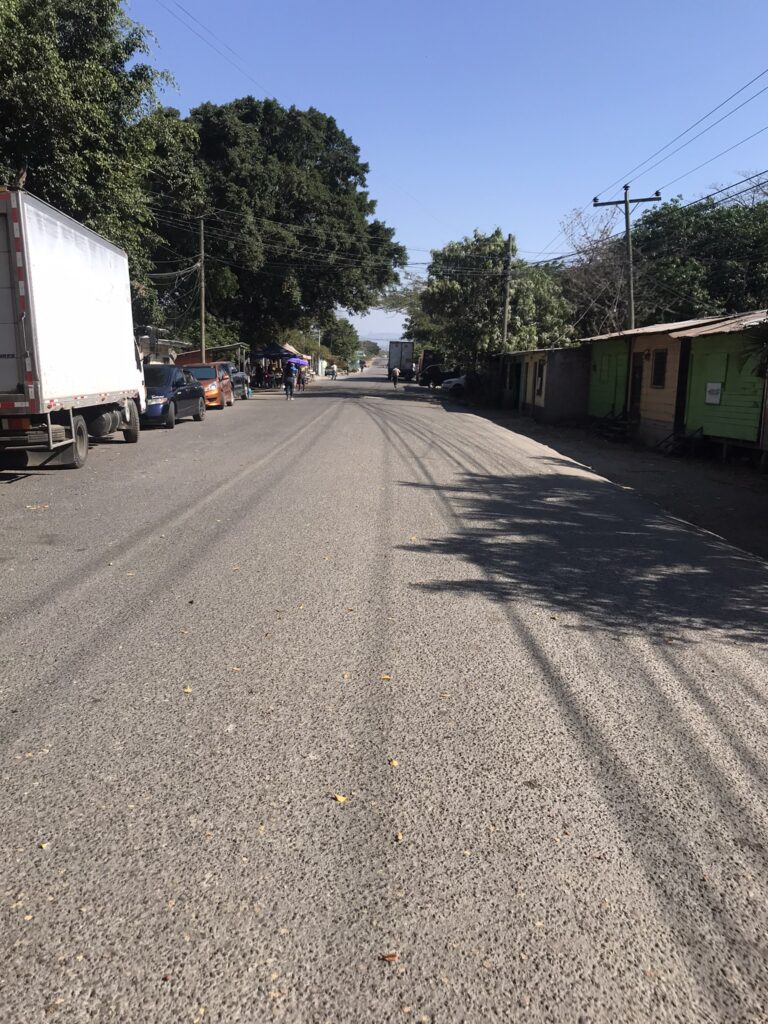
<point x="131" y="432"/>
<point x="79" y="443"/>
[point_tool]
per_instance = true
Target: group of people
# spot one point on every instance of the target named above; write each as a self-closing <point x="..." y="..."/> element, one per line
<point x="294" y="379"/>
<point x="278" y="376"/>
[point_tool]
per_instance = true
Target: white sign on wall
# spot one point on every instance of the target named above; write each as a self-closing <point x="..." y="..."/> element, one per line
<point x="714" y="393"/>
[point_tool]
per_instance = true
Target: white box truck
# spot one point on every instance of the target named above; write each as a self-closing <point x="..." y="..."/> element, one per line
<point x="401" y="355"/>
<point x="69" y="365"/>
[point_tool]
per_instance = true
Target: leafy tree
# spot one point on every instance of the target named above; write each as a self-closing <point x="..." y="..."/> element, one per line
<point x="371" y="349"/>
<point x="693" y="260"/>
<point x="290" y="227"/>
<point x="74" y="100"/>
<point x="341" y="338"/>
<point x="701" y="260"/>
<point x="460" y="308"/>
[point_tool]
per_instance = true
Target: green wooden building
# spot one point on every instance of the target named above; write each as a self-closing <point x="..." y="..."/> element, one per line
<point x="725" y="396"/>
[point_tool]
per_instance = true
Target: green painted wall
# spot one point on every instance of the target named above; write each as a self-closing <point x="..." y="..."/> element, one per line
<point x="722" y="360"/>
<point x="608" y="377"/>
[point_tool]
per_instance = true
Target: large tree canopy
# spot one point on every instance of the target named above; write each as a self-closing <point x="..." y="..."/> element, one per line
<point x="693" y="260"/>
<point x="290" y="232"/>
<point x="75" y="96"/>
<point x="460" y="309"/>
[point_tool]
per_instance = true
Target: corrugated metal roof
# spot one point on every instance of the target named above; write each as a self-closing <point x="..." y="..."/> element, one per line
<point x="658" y="328"/>
<point x="732" y="324"/>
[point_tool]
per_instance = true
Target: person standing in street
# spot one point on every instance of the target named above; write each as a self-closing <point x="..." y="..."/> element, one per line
<point x="289" y="380"/>
<point x="395" y="376"/>
<point x="334" y="371"/>
<point x="301" y="380"/>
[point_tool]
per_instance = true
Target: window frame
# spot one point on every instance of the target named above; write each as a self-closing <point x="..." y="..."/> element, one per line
<point x="658" y="352"/>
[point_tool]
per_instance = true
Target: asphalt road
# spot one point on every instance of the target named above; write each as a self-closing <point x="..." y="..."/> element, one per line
<point x="544" y="703"/>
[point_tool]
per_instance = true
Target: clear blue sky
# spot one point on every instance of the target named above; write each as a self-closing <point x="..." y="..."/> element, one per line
<point x="489" y="113"/>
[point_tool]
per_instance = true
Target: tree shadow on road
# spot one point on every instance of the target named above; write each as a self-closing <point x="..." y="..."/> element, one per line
<point x="682" y="721"/>
<point x="574" y="543"/>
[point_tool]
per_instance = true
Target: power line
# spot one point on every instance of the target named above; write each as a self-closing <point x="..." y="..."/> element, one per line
<point x="703" y="132"/>
<point x="209" y="43"/>
<point x="715" y="157"/>
<point x="690" y="128"/>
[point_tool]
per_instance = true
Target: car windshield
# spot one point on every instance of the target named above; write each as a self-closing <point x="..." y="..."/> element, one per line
<point x="203" y="372"/>
<point x="156" y="374"/>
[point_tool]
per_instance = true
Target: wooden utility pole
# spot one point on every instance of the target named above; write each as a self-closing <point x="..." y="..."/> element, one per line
<point x="626" y="202"/>
<point x="202" y="290"/>
<point x="507" y="285"/>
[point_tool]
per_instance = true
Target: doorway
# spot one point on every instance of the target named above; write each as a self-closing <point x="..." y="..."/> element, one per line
<point x="636" y="386"/>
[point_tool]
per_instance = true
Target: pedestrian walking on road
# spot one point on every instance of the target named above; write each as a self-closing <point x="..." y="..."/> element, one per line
<point x="334" y="371"/>
<point x="302" y="379"/>
<point x="289" y="380"/>
<point x="395" y="375"/>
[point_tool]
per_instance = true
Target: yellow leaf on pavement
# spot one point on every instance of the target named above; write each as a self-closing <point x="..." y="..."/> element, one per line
<point x="339" y="798"/>
<point x="386" y="676"/>
<point x="187" y="689"/>
<point x="393" y="762"/>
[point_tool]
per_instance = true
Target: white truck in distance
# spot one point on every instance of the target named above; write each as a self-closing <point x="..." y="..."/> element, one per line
<point x="69" y="366"/>
<point x="401" y="355"/>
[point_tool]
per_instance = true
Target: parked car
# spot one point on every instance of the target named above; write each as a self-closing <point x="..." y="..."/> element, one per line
<point x="216" y="384"/>
<point x="231" y="368"/>
<point x="434" y="375"/>
<point x="171" y="394"/>
<point x="454" y="386"/>
<point x="240" y="384"/>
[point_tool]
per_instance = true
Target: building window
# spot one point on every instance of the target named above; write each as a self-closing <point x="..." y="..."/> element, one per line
<point x="659" y="368"/>
<point x="540" y="376"/>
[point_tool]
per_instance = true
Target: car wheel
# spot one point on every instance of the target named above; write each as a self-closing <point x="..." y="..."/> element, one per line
<point x="170" y="417"/>
<point x="131" y="432"/>
<point x="79" y="443"/>
<point x="200" y="414"/>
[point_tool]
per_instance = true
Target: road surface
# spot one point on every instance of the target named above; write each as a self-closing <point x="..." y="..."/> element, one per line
<point x="362" y="708"/>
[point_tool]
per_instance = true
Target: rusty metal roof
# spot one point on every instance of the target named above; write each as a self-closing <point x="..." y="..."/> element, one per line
<point x="660" y="328"/>
<point x="729" y="325"/>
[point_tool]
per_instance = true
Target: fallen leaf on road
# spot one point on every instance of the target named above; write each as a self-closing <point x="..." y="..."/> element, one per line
<point x="346" y="675"/>
<point x="413" y="538"/>
<point x="36" y="508"/>
<point x="235" y="568"/>
<point x="340" y="798"/>
<point x="235" y="668"/>
<point x="398" y="837"/>
<point x="390" y="958"/>
<point x="130" y="574"/>
<point x="44" y="846"/>
<point x="393" y="762"/>
<point x="445" y="695"/>
<point x="187" y="689"/>
<point x="386" y="677"/>
<point x="301" y="606"/>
